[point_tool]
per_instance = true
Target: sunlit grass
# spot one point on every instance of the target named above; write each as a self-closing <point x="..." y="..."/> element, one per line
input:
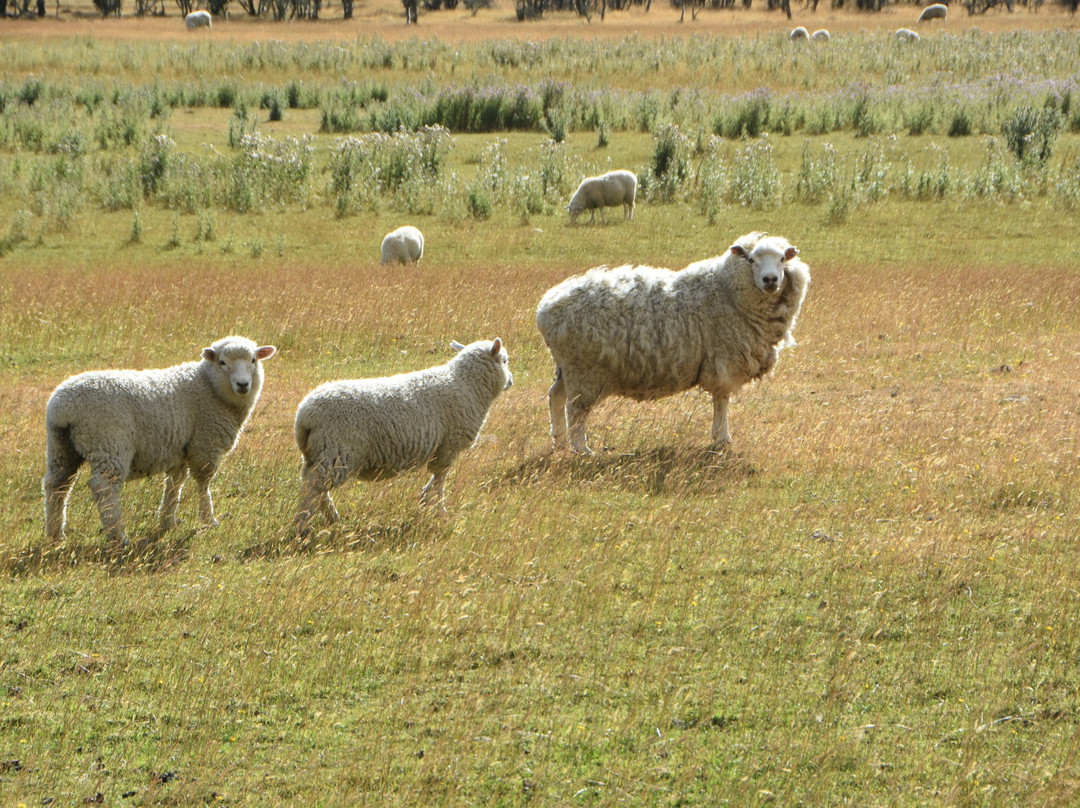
<point x="870" y="599"/>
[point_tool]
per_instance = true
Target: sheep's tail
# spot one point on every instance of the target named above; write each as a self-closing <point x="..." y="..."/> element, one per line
<point x="301" y="433"/>
<point x="60" y="452"/>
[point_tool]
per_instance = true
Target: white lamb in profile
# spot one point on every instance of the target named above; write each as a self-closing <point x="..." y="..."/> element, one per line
<point x="646" y="333"/>
<point x="372" y="429"/>
<point x="128" y="424"/>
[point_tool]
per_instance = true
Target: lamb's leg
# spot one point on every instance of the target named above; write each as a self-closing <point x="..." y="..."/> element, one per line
<point x="721" y="436"/>
<point x="106" y="483"/>
<point x="206" y="502"/>
<point x="62" y="463"/>
<point x="316" y="480"/>
<point x="433" y="494"/>
<point x="57" y="485"/>
<point x="174" y="484"/>
<point x="557" y="406"/>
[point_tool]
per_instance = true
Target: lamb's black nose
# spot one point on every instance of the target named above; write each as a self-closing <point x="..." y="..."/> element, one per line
<point x="242" y="387"/>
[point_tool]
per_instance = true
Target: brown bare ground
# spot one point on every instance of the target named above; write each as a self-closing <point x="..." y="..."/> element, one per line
<point x="384" y="18"/>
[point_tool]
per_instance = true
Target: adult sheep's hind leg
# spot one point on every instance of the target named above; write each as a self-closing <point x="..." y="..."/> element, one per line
<point x="557" y="407"/>
<point x="577" y="411"/>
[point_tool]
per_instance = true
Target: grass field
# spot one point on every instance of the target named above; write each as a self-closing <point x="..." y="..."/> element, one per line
<point x="872" y="599"/>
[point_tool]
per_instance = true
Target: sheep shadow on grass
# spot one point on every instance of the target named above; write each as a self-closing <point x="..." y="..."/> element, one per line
<point x="139" y="556"/>
<point x="345" y="537"/>
<point x="663" y="469"/>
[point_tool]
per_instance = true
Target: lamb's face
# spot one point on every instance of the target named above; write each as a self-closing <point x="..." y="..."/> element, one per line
<point x="767" y="261"/>
<point x="491" y="351"/>
<point x="238" y="362"/>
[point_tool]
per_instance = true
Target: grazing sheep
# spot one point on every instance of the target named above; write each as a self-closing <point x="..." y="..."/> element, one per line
<point x="198" y="19"/>
<point x="372" y="429"/>
<point x="404" y="245"/>
<point x="820" y="35"/>
<point x="606" y="191"/>
<point x="907" y="35"/>
<point x="938" y="11"/>
<point x="799" y="34"/>
<point x="139" y="423"/>
<point x="646" y="333"/>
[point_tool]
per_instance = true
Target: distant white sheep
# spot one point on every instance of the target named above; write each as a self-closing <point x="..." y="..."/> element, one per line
<point x="129" y="424"/>
<point x="646" y="333"/>
<point x="907" y="35"/>
<point x="198" y="19"/>
<point x="372" y="429"/>
<point x="820" y="35"/>
<point x="404" y="245"/>
<point x="938" y="11"/>
<point x="606" y="191"/>
<point x="799" y="34"/>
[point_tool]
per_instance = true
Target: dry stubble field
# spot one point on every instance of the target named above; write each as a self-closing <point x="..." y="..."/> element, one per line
<point x="872" y="600"/>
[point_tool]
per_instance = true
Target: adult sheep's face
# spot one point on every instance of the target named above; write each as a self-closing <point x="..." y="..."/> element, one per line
<point x="767" y="261"/>
<point x="238" y="361"/>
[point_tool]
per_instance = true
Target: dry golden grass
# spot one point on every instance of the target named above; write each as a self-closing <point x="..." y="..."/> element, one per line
<point x="384" y="18"/>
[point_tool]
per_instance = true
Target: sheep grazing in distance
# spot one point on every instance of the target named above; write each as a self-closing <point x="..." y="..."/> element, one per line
<point x="606" y="191"/>
<point x="404" y="245"/>
<point x="646" y="333"/>
<point x="129" y="424"/>
<point x="820" y="35"/>
<point x="198" y="19"/>
<point x="372" y="429"/>
<point x="907" y="35"/>
<point x="799" y="34"/>
<point x="938" y="11"/>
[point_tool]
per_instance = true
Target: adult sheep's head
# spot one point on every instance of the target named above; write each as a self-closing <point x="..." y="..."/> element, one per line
<point x="767" y="256"/>
<point x="236" y="360"/>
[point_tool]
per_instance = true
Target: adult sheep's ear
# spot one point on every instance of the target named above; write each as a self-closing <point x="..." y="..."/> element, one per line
<point x="209" y="355"/>
<point x="736" y="249"/>
<point x="265" y="352"/>
<point x="790" y="253"/>
<point x="496" y="346"/>
<point x="457" y="346"/>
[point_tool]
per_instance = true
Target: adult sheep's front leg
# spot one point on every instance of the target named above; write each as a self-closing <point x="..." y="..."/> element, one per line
<point x="721" y="435"/>
<point x="433" y="495"/>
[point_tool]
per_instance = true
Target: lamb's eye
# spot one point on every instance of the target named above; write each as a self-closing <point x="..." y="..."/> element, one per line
<point x="222" y="363"/>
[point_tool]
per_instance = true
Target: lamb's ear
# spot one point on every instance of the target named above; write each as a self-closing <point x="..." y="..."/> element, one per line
<point x="457" y="346"/>
<point x="790" y="253"/>
<point x="496" y="346"/>
<point x="209" y="355"/>
<point x="265" y="352"/>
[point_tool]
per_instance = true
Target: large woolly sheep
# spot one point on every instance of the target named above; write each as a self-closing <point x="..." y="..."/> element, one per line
<point x="938" y="11"/>
<point x="372" y="429"/>
<point x="606" y="191"/>
<point x="907" y="35"/>
<point x="646" y="333"/>
<point x="129" y="424"/>
<point x="820" y="35"/>
<point x="198" y="19"/>
<point x="404" y="245"/>
<point x="799" y="34"/>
